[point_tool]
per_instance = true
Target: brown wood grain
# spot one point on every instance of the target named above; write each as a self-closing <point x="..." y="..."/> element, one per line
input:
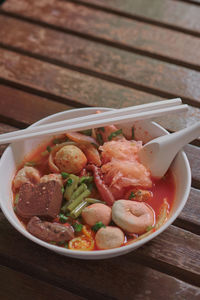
<point x="141" y="72"/>
<point x="66" y="84"/>
<point x="25" y="108"/>
<point x="23" y="287"/>
<point x="189" y="217"/>
<point x="191" y="210"/>
<point x="99" y="278"/>
<point x="193" y="154"/>
<point x="176" y="247"/>
<point x="147" y="39"/>
<point x="171" y="13"/>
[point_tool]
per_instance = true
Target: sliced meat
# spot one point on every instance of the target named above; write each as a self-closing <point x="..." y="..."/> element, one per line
<point x="43" y="200"/>
<point x="50" y="232"/>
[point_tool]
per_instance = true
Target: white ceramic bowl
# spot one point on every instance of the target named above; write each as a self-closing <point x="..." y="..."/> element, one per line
<point x="144" y="130"/>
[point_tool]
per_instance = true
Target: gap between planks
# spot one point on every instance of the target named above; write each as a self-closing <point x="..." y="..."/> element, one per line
<point x="90" y="37"/>
<point x="133" y="16"/>
<point x="95" y="74"/>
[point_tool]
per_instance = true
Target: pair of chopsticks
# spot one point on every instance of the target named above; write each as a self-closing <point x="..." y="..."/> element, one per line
<point x="123" y="115"/>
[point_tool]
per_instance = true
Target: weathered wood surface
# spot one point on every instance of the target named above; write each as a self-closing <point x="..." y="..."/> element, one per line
<point x="193" y="154"/>
<point x="174" y="14"/>
<point x="191" y="211"/>
<point x="23" y="287"/>
<point x="139" y="37"/>
<point x="95" y="278"/>
<point x="138" y="71"/>
<point x="25" y="108"/>
<point x="66" y="85"/>
<point x="57" y="55"/>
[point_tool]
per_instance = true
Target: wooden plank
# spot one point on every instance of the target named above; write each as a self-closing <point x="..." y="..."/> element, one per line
<point x="98" y="278"/>
<point x="16" y="285"/>
<point x="116" y="65"/>
<point x="140" y="37"/>
<point x="24" y="108"/>
<point x="4" y="128"/>
<point x="191" y="1"/>
<point x="189" y="217"/>
<point x="193" y="154"/>
<point x="171" y="247"/>
<point x="67" y="84"/>
<point x="174" y="14"/>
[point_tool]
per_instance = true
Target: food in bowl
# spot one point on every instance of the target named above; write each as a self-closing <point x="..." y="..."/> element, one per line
<point x="88" y="191"/>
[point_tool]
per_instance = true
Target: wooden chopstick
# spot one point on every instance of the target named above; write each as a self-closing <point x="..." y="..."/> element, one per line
<point x="97" y="120"/>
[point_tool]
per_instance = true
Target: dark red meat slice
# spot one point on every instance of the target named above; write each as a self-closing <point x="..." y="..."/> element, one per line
<point x="50" y="232"/>
<point x="43" y="199"/>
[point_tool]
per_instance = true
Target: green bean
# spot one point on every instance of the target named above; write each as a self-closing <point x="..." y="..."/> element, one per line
<point x="78" y="209"/>
<point x="78" y="200"/>
<point x="78" y="191"/>
<point x="86" y="179"/>
<point x="92" y="200"/>
<point x="70" y="189"/>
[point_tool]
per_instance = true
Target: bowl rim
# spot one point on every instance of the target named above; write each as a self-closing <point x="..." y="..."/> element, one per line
<point x="97" y="253"/>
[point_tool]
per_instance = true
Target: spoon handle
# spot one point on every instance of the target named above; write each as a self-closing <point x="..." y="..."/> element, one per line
<point x="182" y="137"/>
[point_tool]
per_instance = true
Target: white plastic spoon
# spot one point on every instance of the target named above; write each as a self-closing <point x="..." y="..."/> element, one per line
<point x="158" y="154"/>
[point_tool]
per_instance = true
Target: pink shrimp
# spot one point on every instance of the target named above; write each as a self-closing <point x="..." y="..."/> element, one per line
<point x="102" y="188"/>
<point x="121" y="166"/>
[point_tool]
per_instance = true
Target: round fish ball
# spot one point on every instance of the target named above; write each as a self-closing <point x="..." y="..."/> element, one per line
<point x="109" y="237"/>
<point x="97" y="212"/>
<point x="70" y="159"/>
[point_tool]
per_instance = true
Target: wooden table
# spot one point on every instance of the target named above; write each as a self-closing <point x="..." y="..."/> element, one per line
<point x="56" y="55"/>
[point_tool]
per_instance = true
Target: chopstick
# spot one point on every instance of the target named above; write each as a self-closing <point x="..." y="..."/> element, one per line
<point x="119" y="116"/>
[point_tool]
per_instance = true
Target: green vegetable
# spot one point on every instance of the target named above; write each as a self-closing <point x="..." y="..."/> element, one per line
<point x="114" y="134"/>
<point x="69" y="182"/>
<point x="77" y="227"/>
<point x="66" y="246"/>
<point x="99" y="138"/>
<point x="30" y="163"/>
<point x="78" y="200"/>
<point x="71" y="186"/>
<point x="133" y="134"/>
<point x="45" y="153"/>
<point x="78" y="191"/>
<point x="86" y="179"/>
<point x="149" y="228"/>
<point x="53" y="243"/>
<point x="78" y="209"/>
<point x="16" y="199"/>
<point x="92" y="200"/>
<point x="56" y="141"/>
<point x="95" y="145"/>
<point x="97" y="226"/>
<point x="62" y="189"/>
<point x="64" y="175"/>
<point x="102" y="129"/>
<point x="87" y="132"/>
<point x="90" y="186"/>
<point x="132" y="195"/>
<point x="49" y="149"/>
<point x="62" y="218"/>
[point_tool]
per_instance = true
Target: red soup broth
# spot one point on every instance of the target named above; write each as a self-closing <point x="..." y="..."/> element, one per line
<point x="162" y="188"/>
